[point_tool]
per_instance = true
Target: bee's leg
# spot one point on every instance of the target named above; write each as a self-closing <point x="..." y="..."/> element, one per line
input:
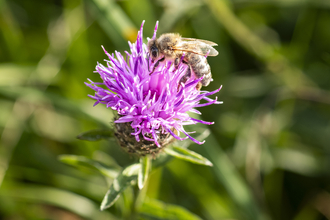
<point x="199" y="85"/>
<point x="186" y="76"/>
<point x="156" y="64"/>
<point x="188" y="73"/>
<point x="185" y="62"/>
<point x="176" y="63"/>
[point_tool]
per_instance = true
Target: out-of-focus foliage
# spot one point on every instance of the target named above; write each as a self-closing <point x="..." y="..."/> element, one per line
<point x="269" y="146"/>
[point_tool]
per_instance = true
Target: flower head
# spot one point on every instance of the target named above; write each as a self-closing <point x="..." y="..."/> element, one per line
<point x="152" y="108"/>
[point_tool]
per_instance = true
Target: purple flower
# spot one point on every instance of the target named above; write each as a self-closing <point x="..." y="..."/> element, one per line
<point x="154" y="104"/>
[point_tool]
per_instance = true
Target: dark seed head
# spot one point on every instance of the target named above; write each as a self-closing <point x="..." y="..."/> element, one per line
<point x="128" y="142"/>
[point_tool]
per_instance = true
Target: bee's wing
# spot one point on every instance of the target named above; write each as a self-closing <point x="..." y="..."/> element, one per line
<point x="209" y="51"/>
<point x="197" y="47"/>
<point x="200" y="40"/>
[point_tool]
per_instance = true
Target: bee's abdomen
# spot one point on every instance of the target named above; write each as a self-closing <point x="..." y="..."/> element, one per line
<point x="200" y="67"/>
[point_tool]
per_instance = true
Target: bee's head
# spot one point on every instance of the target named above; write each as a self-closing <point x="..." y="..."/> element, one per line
<point x="153" y="49"/>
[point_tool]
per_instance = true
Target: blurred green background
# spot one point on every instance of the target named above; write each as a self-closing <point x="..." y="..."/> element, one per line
<point x="270" y="144"/>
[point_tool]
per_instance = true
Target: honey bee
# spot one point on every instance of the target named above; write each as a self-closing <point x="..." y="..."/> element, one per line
<point x="171" y="47"/>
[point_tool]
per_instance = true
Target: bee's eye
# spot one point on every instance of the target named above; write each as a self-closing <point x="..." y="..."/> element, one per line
<point x="154" y="52"/>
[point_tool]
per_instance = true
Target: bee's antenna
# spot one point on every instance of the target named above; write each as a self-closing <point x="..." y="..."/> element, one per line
<point x="156" y="27"/>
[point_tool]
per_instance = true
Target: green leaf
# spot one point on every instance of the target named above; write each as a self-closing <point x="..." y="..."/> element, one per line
<point x="96" y="135"/>
<point x="144" y="171"/>
<point x="59" y="198"/>
<point x="154" y="209"/>
<point x="81" y="161"/>
<point x="187" y="155"/>
<point x="235" y="185"/>
<point x="124" y="179"/>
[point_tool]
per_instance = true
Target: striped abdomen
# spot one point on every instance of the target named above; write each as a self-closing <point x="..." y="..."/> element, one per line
<point x="200" y="67"/>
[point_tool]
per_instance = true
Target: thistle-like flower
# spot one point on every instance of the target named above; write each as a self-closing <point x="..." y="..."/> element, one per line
<point x="152" y="108"/>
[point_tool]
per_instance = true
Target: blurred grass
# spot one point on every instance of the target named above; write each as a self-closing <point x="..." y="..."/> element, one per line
<point x="270" y="141"/>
